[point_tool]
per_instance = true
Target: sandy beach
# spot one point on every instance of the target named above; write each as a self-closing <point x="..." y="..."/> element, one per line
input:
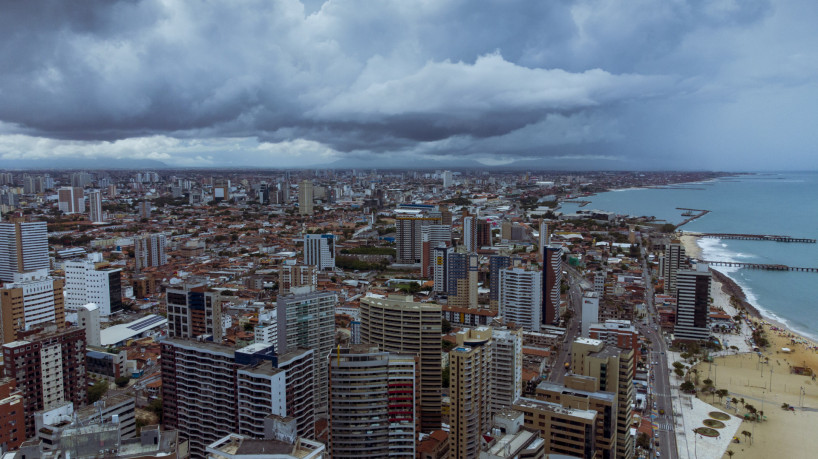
<point x="765" y="380"/>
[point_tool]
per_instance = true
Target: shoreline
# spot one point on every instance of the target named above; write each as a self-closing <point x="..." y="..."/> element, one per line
<point x="732" y="289"/>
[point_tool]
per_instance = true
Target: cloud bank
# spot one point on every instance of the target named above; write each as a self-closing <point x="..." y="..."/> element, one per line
<point x="284" y="84"/>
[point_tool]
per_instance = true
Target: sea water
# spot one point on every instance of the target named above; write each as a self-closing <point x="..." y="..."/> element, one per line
<point x="772" y="203"/>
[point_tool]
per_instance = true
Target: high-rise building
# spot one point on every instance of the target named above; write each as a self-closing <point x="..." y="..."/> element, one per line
<point x="90" y="281"/>
<point x="440" y="269"/>
<point x="144" y="209"/>
<point x="432" y="236"/>
<point x="590" y="312"/>
<point x="448" y="179"/>
<point x="520" y="300"/>
<point x="399" y="325"/>
<point x="49" y="369"/>
<point x="545" y="237"/>
<point x="462" y="278"/>
<point x="290" y="276"/>
<point x="619" y="333"/>
<point x="23" y="248"/>
<point x="409" y="236"/>
<point x="194" y="311"/>
<point x="470" y="233"/>
<point x="305" y="197"/>
<point x="149" y="250"/>
<point x="692" y="304"/>
<point x="306" y="320"/>
<point x="483" y="233"/>
<point x="496" y="263"/>
<point x="363" y="379"/>
<point x="319" y="251"/>
<point x="568" y="431"/>
<point x="582" y="392"/>
<point x="674" y="261"/>
<point x="470" y="392"/>
<point x="12" y="415"/>
<point x="210" y="390"/>
<point x="95" y="206"/>
<point x="88" y="320"/>
<point x="613" y="367"/>
<point x="551" y="279"/>
<point x="33" y="300"/>
<point x="506" y="367"/>
<point x="71" y="200"/>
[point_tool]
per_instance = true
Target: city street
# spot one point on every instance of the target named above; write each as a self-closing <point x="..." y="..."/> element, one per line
<point x="660" y="384"/>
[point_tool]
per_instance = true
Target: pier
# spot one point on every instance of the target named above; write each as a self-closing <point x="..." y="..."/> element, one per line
<point x="580" y="202"/>
<point x="766" y="267"/>
<point x="692" y="214"/>
<point x="759" y="237"/>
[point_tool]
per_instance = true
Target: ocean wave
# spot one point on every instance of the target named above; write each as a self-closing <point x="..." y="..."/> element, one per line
<point x="713" y="249"/>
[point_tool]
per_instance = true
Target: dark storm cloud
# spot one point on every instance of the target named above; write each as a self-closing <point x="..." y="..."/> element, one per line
<point x="168" y="79"/>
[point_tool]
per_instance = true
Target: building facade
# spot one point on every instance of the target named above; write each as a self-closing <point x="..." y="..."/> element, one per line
<point x="23" y="248"/>
<point x="319" y="251"/>
<point x="399" y="325"/>
<point x="693" y="304"/>
<point x="551" y="279"/>
<point x="35" y="299"/>
<point x="193" y="311"/>
<point x="519" y="300"/>
<point x="363" y="379"/>
<point x="87" y="281"/>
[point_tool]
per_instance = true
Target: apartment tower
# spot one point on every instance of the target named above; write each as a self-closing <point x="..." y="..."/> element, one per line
<point x="551" y="279"/>
<point x="693" y="303"/>
<point x="194" y="311"/>
<point x="305" y="197"/>
<point x="363" y="379"/>
<point x="23" y="248"/>
<point x="399" y="325"/>
<point x="520" y="300"/>
<point x="33" y="300"/>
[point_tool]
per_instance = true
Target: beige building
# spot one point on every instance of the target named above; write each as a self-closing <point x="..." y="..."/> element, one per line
<point x="582" y="392"/>
<point x="305" y="197"/>
<point x="613" y="368"/>
<point x="568" y="431"/>
<point x="33" y="299"/>
<point x="470" y="392"/>
<point x="400" y="325"/>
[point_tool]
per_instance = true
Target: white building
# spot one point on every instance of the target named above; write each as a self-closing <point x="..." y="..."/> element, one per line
<point x="71" y="200"/>
<point x="95" y="206"/>
<point x="23" y="247"/>
<point x="506" y="368"/>
<point x="448" y="179"/>
<point x="590" y="311"/>
<point x="88" y="319"/>
<point x="149" y="250"/>
<point x="440" y="268"/>
<point x="91" y="281"/>
<point x="33" y="298"/>
<point x="319" y="250"/>
<point x="305" y="197"/>
<point x="520" y="298"/>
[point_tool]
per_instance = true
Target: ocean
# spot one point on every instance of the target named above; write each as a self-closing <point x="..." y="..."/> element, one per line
<point x="771" y="203"/>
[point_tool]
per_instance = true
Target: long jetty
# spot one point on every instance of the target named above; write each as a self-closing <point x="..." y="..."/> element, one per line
<point x="692" y="214"/>
<point x="767" y="267"/>
<point x="758" y="237"/>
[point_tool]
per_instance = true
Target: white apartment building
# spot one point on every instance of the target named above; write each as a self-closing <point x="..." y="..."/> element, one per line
<point x="520" y="298"/>
<point x="89" y="281"/>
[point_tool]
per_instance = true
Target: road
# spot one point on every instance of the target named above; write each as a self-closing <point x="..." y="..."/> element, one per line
<point x="659" y="393"/>
<point x="575" y="281"/>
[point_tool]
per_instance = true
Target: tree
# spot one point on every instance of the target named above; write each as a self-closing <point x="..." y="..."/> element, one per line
<point x="687" y="386"/>
<point x="721" y="393"/>
<point x="122" y="381"/>
<point x="445" y="327"/>
<point x="748" y="435"/>
<point x="155" y="406"/>
<point x="643" y="441"/>
<point x="679" y="372"/>
<point x="708" y="382"/>
<point x="445" y="376"/>
<point x="730" y="453"/>
<point x="96" y="391"/>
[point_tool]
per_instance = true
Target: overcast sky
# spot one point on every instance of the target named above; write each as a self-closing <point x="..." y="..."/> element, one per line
<point x="647" y="84"/>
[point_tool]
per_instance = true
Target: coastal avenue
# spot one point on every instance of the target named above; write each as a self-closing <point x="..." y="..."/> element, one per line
<point x="660" y="384"/>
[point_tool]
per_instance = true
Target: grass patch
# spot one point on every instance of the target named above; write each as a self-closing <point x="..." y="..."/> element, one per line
<point x="719" y="415"/>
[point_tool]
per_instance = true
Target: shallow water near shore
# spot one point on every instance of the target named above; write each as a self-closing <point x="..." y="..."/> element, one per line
<point x="776" y="203"/>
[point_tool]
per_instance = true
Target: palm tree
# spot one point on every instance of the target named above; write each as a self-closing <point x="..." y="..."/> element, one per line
<point x="742" y="401"/>
<point x="746" y="434"/>
<point x="730" y="453"/>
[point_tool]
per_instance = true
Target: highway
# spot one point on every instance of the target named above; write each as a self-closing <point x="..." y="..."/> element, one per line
<point x="659" y="393"/>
